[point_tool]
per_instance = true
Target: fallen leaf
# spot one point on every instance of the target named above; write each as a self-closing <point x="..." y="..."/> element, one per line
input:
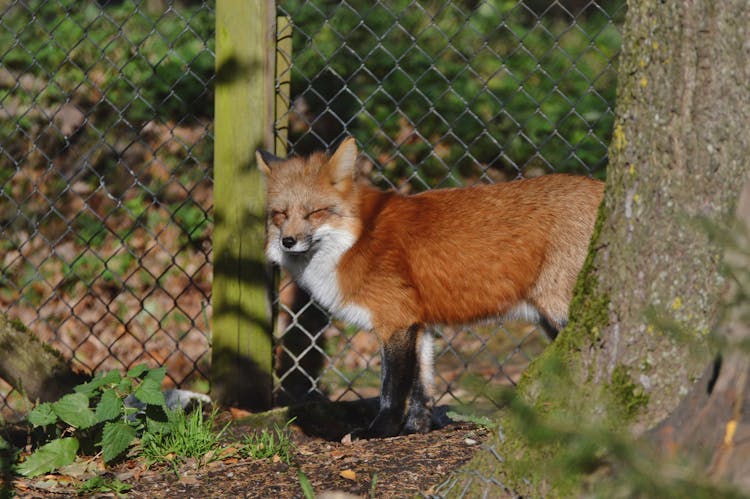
<point x="51" y="485"/>
<point x="81" y="469"/>
<point x="348" y="474"/>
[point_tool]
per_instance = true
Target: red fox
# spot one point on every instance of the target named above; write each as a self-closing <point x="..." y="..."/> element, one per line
<point x="395" y="264"/>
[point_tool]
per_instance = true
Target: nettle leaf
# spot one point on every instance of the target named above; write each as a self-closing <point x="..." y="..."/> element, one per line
<point x="109" y="406"/>
<point x="109" y="378"/>
<point x="116" y="438"/>
<point x="125" y="386"/>
<point x="59" y="452"/>
<point x="74" y="410"/>
<point x="149" y="392"/>
<point x="137" y="370"/>
<point x="156" y="374"/>
<point x="42" y="415"/>
<point x="157" y="419"/>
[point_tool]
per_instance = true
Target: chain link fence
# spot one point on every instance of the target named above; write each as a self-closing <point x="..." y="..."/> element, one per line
<point x="106" y="152"/>
<point x="439" y="94"/>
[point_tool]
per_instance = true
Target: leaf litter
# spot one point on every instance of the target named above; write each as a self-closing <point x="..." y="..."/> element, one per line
<point x="401" y="466"/>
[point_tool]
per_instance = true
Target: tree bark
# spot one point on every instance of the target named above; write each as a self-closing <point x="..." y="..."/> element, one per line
<point x="650" y="291"/>
<point x="713" y="422"/>
<point x="34" y="369"/>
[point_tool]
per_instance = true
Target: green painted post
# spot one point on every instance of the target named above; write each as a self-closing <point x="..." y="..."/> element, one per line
<point x="241" y="370"/>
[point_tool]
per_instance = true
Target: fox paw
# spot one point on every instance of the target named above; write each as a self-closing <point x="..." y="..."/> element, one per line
<point x="377" y="429"/>
<point x="418" y="420"/>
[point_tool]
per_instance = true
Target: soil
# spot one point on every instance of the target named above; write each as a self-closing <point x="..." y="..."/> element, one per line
<point x="402" y="466"/>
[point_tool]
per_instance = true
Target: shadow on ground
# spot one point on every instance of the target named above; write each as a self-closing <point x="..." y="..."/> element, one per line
<point x="331" y="420"/>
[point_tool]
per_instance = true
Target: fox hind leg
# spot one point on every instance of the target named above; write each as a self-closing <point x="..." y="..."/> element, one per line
<point x="548" y="327"/>
<point x="419" y="414"/>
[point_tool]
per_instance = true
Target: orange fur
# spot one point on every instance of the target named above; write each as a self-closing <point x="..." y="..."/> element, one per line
<point x="458" y="255"/>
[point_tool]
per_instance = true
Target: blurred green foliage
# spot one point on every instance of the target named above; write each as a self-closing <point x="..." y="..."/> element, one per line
<point x="452" y="89"/>
<point x="105" y="169"/>
<point x="138" y="63"/>
<point x="134" y="72"/>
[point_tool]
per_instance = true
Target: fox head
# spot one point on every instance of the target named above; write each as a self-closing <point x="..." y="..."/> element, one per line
<point x="310" y="202"/>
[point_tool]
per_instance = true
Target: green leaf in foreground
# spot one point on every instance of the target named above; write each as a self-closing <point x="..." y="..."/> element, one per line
<point x="157" y="419"/>
<point x="116" y="437"/>
<point x="101" y="485"/>
<point x="137" y="370"/>
<point x="149" y="392"/>
<point x="42" y="415"/>
<point x="471" y="418"/>
<point x="74" y="410"/>
<point x="156" y="374"/>
<point x="305" y="485"/>
<point x="59" y="452"/>
<point x="109" y="406"/>
<point x="109" y="378"/>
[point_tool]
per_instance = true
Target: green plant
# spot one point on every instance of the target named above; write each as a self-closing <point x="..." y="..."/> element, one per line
<point x="96" y="417"/>
<point x="103" y="485"/>
<point x="193" y="221"/>
<point x="269" y="443"/>
<point x="305" y="485"/>
<point x="170" y="77"/>
<point x="185" y="436"/>
<point x="373" y="486"/>
<point x="482" y="421"/>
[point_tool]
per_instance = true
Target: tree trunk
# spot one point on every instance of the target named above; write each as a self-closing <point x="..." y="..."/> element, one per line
<point x="34" y="369"/>
<point x="713" y="422"/>
<point x="650" y="291"/>
<point x="677" y="154"/>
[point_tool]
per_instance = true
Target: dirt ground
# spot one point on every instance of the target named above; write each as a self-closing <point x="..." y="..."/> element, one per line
<point x="402" y="466"/>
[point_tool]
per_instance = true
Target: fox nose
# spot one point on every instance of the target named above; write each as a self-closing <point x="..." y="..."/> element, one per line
<point x="288" y="242"/>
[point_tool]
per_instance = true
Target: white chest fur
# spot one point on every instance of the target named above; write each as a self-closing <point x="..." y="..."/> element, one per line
<point x="317" y="272"/>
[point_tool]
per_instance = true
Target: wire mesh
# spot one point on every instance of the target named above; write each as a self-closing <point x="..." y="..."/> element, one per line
<point x="105" y="181"/>
<point x="439" y="94"/>
<point x="106" y="152"/>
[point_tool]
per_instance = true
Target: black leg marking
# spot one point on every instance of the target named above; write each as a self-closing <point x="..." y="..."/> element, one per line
<point x="399" y="356"/>
<point x="714" y="374"/>
<point x="549" y="329"/>
<point x="419" y="415"/>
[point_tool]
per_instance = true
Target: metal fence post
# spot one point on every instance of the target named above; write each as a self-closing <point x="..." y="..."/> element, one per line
<point x="241" y="329"/>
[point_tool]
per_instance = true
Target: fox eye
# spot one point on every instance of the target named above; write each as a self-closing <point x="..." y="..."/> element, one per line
<point x="278" y="217"/>
<point x="319" y="214"/>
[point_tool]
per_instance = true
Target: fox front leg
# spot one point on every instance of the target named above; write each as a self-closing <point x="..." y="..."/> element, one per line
<point x="397" y="377"/>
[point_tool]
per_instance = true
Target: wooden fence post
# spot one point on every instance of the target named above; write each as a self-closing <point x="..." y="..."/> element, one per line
<point x="284" y="80"/>
<point x="242" y="370"/>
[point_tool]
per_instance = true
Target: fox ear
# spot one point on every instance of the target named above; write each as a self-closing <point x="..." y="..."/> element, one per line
<point x="341" y="164"/>
<point x="266" y="160"/>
